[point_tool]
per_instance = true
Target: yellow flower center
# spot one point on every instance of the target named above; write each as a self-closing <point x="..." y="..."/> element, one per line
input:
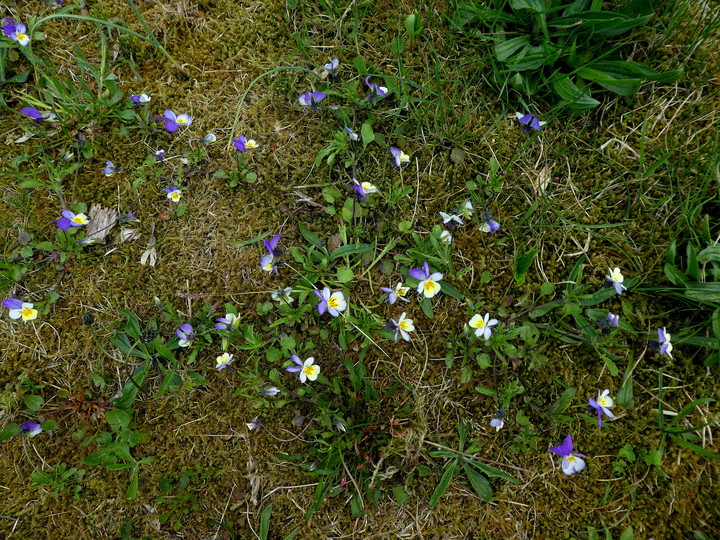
<point x="429" y="286"/>
<point x="617" y="276"/>
<point x="405" y="324"/>
<point x="251" y="143"/>
<point x="28" y="313"/>
<point x="181" y="121"/>
<point x="334" y="302"/>
<point x="175" y="196"/>
<point x="20" y="36"/>
<point x="570" y="458"/>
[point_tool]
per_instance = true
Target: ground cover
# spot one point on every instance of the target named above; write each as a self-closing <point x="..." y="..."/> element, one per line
<point x="282" y="219"/>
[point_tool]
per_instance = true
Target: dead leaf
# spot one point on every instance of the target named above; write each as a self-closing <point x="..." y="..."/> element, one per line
<point x="543" y="179"/>
<point x="102" y="221"/>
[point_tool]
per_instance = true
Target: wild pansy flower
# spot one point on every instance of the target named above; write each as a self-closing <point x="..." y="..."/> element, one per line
<point x="209" y="138"/>
<point x="138" y="100"/>
<point x="482" y="325"/>
<point x="159" y="155"/>
<point x="19" y="309"/>
<point x="174" y="121"/>
<point x="173" y="193"/>
<point x="445" y="236"/>
<point x="363" y="188"/>
<point x="269" y="391"/>
<point x="269" y="262"/>
<point x="616" y="279"/>
<point x="602" y="405"/>
<point x="399" y="156"/>
<point x="254" y="424"/>
<point x="311" y="99"/>
<point x="489" y="224"/>
<point x="332" y="66"/>
<point x="36" y="115"/>
<point x="467" y="209"/>
<point x="403" y="326"/>
<point x="613" y="320"/>
<point x="664" y="342"/>
<point x="308" y="369"/>
<point x="498" y="421"/>
<point x="284" y="296"/>
<point x="376" y="91"/>
<point x="16" y="32"/>
<point x="242" y="143"/>
<point x="30" y="429"/>
<point x="333" y="303"/>
<point x="571" y="462"/>
<point x="353" y="136"/>
<point x="110" y="168"/>
<point x="398" y="292"/>
<point x="228" y="323"/>
<point x="224" y="360"/>
<point x="529" y="122"/>
<point x="185" y="334"/>
<point x="70" y="219"/>
<point x="451" y="220"/>
<point x="428" y="285"/>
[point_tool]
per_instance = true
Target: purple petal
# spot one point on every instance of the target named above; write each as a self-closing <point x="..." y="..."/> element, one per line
<point x="63" y="223"/>
<point x="32" y="112"/>
<point x="417" y="273"/>
<point x="318" y="96"/>
<point x="305" y="99"/>
<point x="564" y="449"/>
<point x="12" y="303"/>
<point x="272" y="244"/>
<point x="535" y="124"/>
<point x="525" y="120"/>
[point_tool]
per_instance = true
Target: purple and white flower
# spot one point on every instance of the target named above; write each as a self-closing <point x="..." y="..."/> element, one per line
<point x="498" y="420"/>
<point x="141" y="99"/>
<point x="185" y="334"/>
<point x="363" y="188"/>
<point x="19" y="309"/>
<point x="269" y="391"/>
<point x="308" y="369"/>
<point x="489" y="224"/>
<point x="602" y="405"/>
<point x="664" y="342"/>
<point x="36" y="115"/>
<point x="399" y="156"/>
<point x="242" y="143"/>
<point x="571" y="462"/>
<point x="311" y="99"/>
<point x="403" y="326"/>
<point x="332" y="302"/>
<point x="30" y="429"/>
<point x="445" y="236"/>
<point x="284" y="296"/>
<point x="398" y="292"/>
<point x="110" y="168"/>
<point x="613" y="319"/>
<point x="428" y="285"/>
<point x="332" y="66"/>
<point x="482" y="325"/>
<point x="159" y="155"/>
<point x="376" y="91"/>
<point x="269" y="262"/>
<point x="70" y="219"/>
<point x="451" y="220"/>
<point x="16" y="32"/>
<point x="224" y="360"/>
<point x="228" y="323"/>
<point x="173" y="193"/>
<point x="353" y="136"/>
<point x="254" y="425"/>
<point x="529" y="122"/>
<point x="174" y="121"/>
<point x="616" y="279"/>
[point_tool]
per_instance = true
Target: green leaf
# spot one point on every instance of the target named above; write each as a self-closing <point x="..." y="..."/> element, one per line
<point x="9" y="431"/>
<point x="34" y="403"/>
<point x="400" y="494"/>
<point x="345" y="274"/>
<point x="478" y="482"/>
<point x="625" y="394"/>
<point x="49" y="425"/>
<point x="709" y="254"/>
<point x="573" y="97"/>
<point x="130" y="390"/>
<point x="444" y="483"/>
<point x="427" y="309"/>
<point x="523" y="263"/>
<point x="118" y="420"/>
<point x="351" y="249"/>
<point x="536" y="6"/>
<point x="450" y="290"/>
<point x="132" y="489"/>
<point x="367" y="134"/>
<point x="265" y="523"/>
<point x="311" y="237"/>
<point x="694" y="447"/>
<point x="492" y="471"/>
<point x="505" y="49"/>
<point x="628" y="534"/>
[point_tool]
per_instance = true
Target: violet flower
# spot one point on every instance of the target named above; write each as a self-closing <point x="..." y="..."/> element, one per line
<point x="332" y="303"/>
<point x="664" y="342"/>
<point x="270" y="391"/>
<point x="428" y="285"/>
<point x="110" y="168"/>
<point x="498" y="421"/>
<point x="185" y="334"/>
<point x="70" y="219"/>
<point x="254" y="425"/>
<point x="602" y="405"/>
<point x="243" y="143"/>
<point x="399" y="156"/>
<point x="269" y="262"/>
<point x="228" y="323"/>
<point x="19" y="309"/>
<point x="30" y="429"/>
<point x="173" y="193"/>
<point x="402" y="326"/>
<point x="16" y="32"/>
<point x="398" y="292"/>
<point x="376" y="91"/>
<point x="363" y="188"/>
<point x="571" y="462"/>
<point x="489" y="224"/>
<point x="159" y="155"/>
<point x="308" y="369"/>
<point x="529" y="122"/>
<point x="616" y="279"/>
<point x="311" y="99"/>
<point x="353" y="136"/>
<point x="482" y="325"/>
<point x="613" y="320"/>
<point x="224" y="360"/>
<point x="36" y="115"/>
<point x="332" y="66"/>
<point x="174" y="121"/>
<point x="141" y="99"/>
